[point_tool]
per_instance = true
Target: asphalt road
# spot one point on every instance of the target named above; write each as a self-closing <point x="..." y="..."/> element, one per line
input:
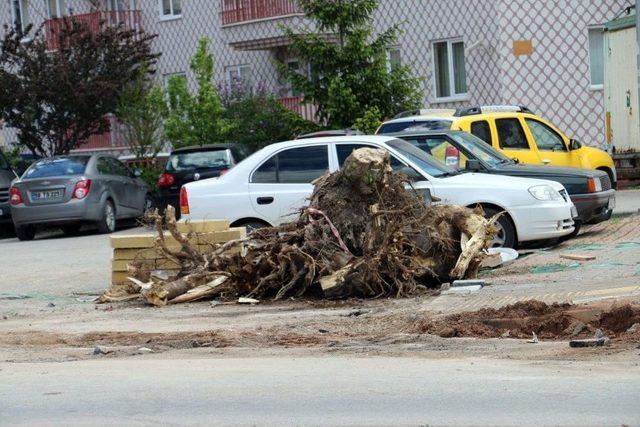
<point x="319" y="391"/>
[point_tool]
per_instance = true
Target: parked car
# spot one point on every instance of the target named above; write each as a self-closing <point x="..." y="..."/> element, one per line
<point x="516" y="132"/>
<point x="590" y="190"/>
<point x="270" y="185"/>
<point x="332" y="132"/>
<point x="6" y="176"/>
<point x="75" y="189"/>
<point x="192" y="164"/>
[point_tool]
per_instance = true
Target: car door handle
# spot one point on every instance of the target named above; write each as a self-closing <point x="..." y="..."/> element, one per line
<point x="546" y="161"/>
<point x="264" y="200"/>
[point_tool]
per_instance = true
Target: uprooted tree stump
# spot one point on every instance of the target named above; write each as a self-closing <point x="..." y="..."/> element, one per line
<point x="363" y="235"/>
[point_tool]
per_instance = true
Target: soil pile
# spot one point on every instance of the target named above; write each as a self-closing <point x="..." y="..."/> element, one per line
<point x="555" y="321"/>
<point x="364" y="234"/>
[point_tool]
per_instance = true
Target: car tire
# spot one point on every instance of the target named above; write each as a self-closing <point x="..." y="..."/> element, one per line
<point x="253" y="225"/>
<point x="25" y="232"/>
<point x="506" y="235"/>
<point x="149" y="204"/>
<point x="574" y="233"/>
<point x="107" y="223"/>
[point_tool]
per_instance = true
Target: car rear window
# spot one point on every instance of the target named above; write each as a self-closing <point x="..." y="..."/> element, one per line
<point x="198" y="160"/>
<point x="392" y="127"/>
<point x="61" y="166"/>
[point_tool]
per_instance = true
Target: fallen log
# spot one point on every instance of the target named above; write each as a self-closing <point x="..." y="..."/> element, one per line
<point x="366" y="233"/>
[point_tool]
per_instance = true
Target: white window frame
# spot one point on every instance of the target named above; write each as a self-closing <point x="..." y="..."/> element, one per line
<point x="303" y="69"/>
<point x="24" y="19"/>
<point x="238" y="69"/>
<point x="388" y="51"/>
<point x="172" y="15"/>
<point x="453" y="97"/>
<point x="131" y="5"/>
<point x="60" y="9"/>
<point x="598" y="86"/>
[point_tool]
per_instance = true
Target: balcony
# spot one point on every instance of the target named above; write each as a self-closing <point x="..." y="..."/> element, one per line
<point x="294" y="103"/>
<point x="129" y="19"/>
<point x="238" y="11"/>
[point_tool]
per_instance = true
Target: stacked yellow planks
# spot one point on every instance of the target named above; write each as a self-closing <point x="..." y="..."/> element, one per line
<point x="141" y="248"/>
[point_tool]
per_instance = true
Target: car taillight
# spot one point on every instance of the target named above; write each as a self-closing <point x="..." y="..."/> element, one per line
<point x="15" y="197"/>
<point x="594" y="185"/>
<point x="451" y="156"/>
<point x="223" y="171"/>
<point x="166" y="180"/>
<point x="184" y="201"/>
<point x="81" y="189"/>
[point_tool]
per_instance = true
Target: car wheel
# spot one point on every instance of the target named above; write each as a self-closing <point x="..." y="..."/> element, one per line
<point x="506" y="232"/>
<point x="25" y="232"/>
<point x="574" y="233"/>
<point x="149" y="204"/>
<point x="107" y="224"/>
<point x="253" y="225"/>
<point x="71" y="229"/>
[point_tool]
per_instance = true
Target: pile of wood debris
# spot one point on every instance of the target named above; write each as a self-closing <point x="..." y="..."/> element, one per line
<point x="364" y="234"/>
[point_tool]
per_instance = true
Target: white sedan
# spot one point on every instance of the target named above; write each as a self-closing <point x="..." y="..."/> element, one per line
<point x="268" y="187"/>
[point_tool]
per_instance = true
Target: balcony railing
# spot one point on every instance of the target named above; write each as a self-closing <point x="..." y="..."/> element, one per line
<point x="129" y="19"/>
<point x="294" y="103"/>
<point x="236" y="11"/>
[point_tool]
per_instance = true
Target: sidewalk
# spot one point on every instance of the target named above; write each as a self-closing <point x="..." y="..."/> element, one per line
<point x="627" y="202"/>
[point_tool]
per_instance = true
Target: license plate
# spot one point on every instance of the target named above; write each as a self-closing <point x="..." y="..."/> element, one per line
<point x="574" y="212"/>
<point x="612" y="203"/>
<point x="46" y="195"/>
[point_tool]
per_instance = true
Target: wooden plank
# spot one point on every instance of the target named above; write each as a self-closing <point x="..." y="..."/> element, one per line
<point x="135" y="253"/>
<point x="577" y="257"/>
<point x="203" y="226"/>
<point x="221" y="236"/>
<point x="128" y="241"/>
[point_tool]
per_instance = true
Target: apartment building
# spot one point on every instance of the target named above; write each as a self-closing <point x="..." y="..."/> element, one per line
<point x="545" y="54"/>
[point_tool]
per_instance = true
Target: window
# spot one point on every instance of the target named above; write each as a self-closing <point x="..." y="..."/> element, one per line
<point x="61" y="166"/>
<point x="596" y="57"/>
<point x="295" y="65"/>
<point x="449" y="69"/>
<point x="20" y="14"/>
<point x="56" y="8"/>
<point x="545" y="137"/>
<point x="394" y="60"/>
<point x="238" y="75"/>
<point x="510" y="134"/>
<point x="294" y="166"/>
<point x="103" y="166"/>
<point x="170" y="9"/>
<point x="118" y="168"/>
<point x="481" y="130"/>
<point x="122" y="4"/>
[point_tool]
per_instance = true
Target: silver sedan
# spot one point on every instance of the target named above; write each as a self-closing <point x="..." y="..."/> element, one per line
<point x="75" y="189"/>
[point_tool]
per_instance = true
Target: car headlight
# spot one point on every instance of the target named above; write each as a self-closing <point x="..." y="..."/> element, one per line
<point x="544" y="192"/>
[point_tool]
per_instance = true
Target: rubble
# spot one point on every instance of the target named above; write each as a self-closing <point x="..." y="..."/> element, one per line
<point x="363" y="235"/>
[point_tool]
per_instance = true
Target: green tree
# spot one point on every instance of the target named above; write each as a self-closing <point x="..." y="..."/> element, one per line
<point x="196" y="119"/>
<point x="369" y="122"/>
<point x="142" y="109"/>
<point x="259" y="119"/>
<point x="57" y="99"/>
<point x="349" y="70"/>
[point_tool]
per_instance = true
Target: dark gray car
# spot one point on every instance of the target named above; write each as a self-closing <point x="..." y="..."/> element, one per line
<point x="75" y="189"/>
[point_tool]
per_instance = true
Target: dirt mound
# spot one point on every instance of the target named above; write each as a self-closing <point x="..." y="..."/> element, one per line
<point x="555" y="321"/>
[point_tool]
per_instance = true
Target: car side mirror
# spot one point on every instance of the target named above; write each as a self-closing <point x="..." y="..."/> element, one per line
<point x="137" y="173"/>
<point x="411" y="173"/>
<point x="574" y="144"/>
<point x="473" y="165"/>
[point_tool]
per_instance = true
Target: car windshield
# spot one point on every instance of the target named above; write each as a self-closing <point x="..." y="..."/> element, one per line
<point x="475" y="147"/>
<point x="57" y="166"/>
<point x="215" y="159"/>
<point x="433" y="124"/>
<point x="421" y="159"/>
